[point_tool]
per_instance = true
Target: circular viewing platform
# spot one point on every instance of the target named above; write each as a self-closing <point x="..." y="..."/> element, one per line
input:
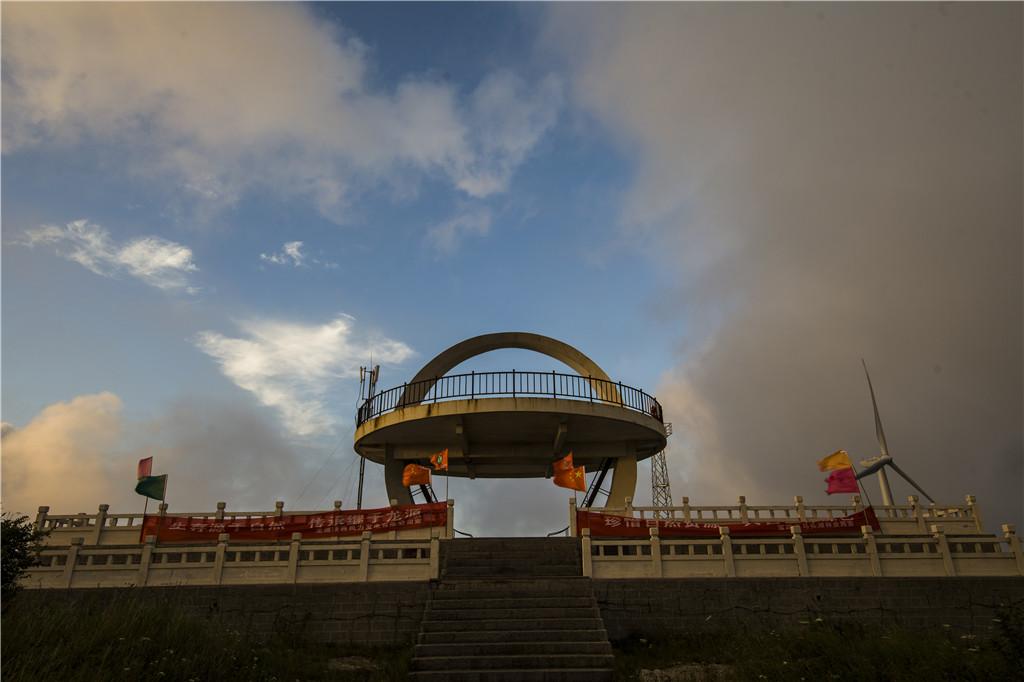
<point x="511" y="423"/>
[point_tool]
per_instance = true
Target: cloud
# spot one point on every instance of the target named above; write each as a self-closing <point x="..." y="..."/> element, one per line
<point x="224" y="99"/>
<point x="291" y="367"/>
<point x="824" y="183"/>
<point x="156" y="261"/>
<point x="446" y="237"/>
<point x="290" y="254"/>
<point x="78" y="454"/>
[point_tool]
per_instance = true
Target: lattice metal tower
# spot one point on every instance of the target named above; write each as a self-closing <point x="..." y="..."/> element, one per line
<point x="661" y="491"/>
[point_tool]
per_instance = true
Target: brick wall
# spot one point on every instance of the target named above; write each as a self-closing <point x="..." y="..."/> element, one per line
<point x="656" y="608"/>
<point x="351" y="613"/>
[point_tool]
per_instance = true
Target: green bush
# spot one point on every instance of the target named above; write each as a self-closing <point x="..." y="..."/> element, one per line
<point x="21" y="543"/>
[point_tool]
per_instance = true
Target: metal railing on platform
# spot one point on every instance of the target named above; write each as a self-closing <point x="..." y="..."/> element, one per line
<point x="511" y="383"/>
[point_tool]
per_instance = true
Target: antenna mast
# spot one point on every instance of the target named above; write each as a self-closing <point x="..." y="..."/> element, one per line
<point x="367" y="389"/>
<point x="661" y="492"/>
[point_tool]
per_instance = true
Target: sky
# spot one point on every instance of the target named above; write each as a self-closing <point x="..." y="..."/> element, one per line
<point x="214" y="214"/>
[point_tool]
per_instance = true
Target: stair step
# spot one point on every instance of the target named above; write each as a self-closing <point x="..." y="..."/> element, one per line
<point x="517" y="662"/>
<point x="510" y="636"/>
<point x="447" y="615"/>
<point x="483" y="588"/>
<point x="524" y="602"/>
<point x="594" y="623"/>
<point x="485" y="571"/>
<point x="535" y="647"/>
<point x="520" y="675"/>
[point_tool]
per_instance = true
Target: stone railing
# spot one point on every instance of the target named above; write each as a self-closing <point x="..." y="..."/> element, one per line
<point x="932" y="554"/>
<point x="363" y="559"/>
<point x="104" y="528"/>
<point x="897" y="519"/>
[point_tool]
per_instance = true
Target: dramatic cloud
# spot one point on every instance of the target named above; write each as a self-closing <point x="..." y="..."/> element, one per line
<point x="156" y="261"/>
<point x="825" y="183"/>
<point x="446" y="237"/>
<point x="290" y="254"/>
<point x="291" y="367"/>
<point x="76" y="455"/>
<point x="229" y="97"/>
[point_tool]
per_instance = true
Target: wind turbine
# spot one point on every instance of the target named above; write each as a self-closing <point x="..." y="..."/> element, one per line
<point x="878" y="464"/>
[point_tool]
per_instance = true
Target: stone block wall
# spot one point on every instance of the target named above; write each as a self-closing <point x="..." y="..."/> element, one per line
<point x="659" y="608"/>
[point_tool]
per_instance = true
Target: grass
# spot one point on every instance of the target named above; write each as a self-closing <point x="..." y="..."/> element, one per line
<point x="128" y="639"/>
<point x="848" y="652"/>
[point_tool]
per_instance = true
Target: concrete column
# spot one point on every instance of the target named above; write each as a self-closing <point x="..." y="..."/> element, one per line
<point x="219" y="557"/>
<point x="572" y="517"/>
<point x="146" y="560"/>
<point x="293" y="557"/>
<point x="41" y="518"/>
<point x="656" y="568"/>
<point x="727" y="558"/>
<point x="623" y="481"/>
<point x="72" y="562"/>
<point x="588" y="560"/>
<point x="393" y="477"/>
<point x="872" y="550"/>
<point x="943" y="546"/>
<point x="101" y="521"/>
<point x="449" y="523"/>
<point x="364" y="556"/>
<point x="435" y="553"/>
<point x="799" y="551"/>
<point x="1010" y="533"/>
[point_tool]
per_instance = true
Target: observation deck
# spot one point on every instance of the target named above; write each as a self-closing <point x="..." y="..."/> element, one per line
<point x="511" y="424"/>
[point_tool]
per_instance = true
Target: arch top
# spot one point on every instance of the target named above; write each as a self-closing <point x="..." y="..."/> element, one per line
<point x="478" y="345"/>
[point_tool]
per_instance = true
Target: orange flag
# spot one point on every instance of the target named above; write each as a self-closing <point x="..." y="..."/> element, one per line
<point x="564" y="464"/>
<point x="414" y="474"/>
<point x="837" y="460"/>
<point x="575" y="479"/>
<point x="440" y="459"/>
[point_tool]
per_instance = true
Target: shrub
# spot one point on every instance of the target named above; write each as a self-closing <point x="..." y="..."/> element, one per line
<point x="21" y="543"/>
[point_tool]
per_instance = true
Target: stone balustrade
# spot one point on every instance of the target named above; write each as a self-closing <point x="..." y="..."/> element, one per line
<point x="364" y="559"/>
<point x="104" y="528"/>
<point x="912" y="517"/>
<point x="935" y="553"/>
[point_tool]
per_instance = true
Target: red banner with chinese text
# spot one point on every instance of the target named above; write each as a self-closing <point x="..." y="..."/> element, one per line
<point x="612" y="526"/>
<point x="171" y="528"/>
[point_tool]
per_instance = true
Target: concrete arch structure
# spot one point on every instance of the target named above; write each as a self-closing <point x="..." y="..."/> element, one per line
<point x="390" y="438"/>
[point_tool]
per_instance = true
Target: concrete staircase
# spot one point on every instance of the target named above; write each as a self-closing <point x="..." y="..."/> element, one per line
<point x="512" y="609"/>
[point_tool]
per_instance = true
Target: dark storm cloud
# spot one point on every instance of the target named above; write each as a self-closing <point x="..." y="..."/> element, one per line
<point x="825" y="183"/>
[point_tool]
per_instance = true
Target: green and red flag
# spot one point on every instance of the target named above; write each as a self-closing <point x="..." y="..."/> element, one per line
<point x="153" y="487"/>
<point x="440" y="459"/>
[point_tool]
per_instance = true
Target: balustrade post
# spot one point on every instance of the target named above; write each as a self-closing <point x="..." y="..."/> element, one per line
<point x="857" y="506"/>
<point x="656" y="568"/>
<point x="588" y="559"/>
<point x="686" y="508"/>
<point x="279" y="508"/>
<point x="72" y="562"/>
<point x="101" y="520"/>
<point x="727" y="558"/>
<point x="472" y="385"/>
<point x="41" y="518"/>
<point x="799" y="551"/>
<point x="449" y="521"/>
<point x="943" y="546"/>
<point x="435" y="553"/>
<point x="572" y="517"/>
<point x="219" y="556"/>
<point x="629" y="507"/>
<point x="915" y="510"/>
<point x="590" y="387"/>
<point x="871" y="547"/>
<point x="162" y="509"/>
<point x="337" y="505"/>
<point x="554" y="384"/>
<point x="220" y="510"/>
<point x="293" y="557"/>
<point x="146" y="559"/>
<point x="743" y="508"/>
<point x="1010" y="533"/>
<point x="972" y="507"/>
<point x="798" y="501"/>
<point x="513" y="383"/>
<point x="364" y="556"/>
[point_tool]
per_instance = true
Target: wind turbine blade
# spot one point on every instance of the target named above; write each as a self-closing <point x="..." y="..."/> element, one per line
<point x="871" y="466"/>
<point x="878" y="420"/>
<point x="910" y="481"/>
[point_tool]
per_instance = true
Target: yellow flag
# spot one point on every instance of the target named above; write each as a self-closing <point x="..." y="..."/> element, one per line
<point x="837" y="460"/>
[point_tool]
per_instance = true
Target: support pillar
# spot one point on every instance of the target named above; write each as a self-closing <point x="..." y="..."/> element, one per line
<point x="623" y="482"/>
<point x="393" y="477"/>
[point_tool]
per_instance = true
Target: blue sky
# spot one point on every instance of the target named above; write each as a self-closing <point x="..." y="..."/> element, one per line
<point x="213" y="215"/>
